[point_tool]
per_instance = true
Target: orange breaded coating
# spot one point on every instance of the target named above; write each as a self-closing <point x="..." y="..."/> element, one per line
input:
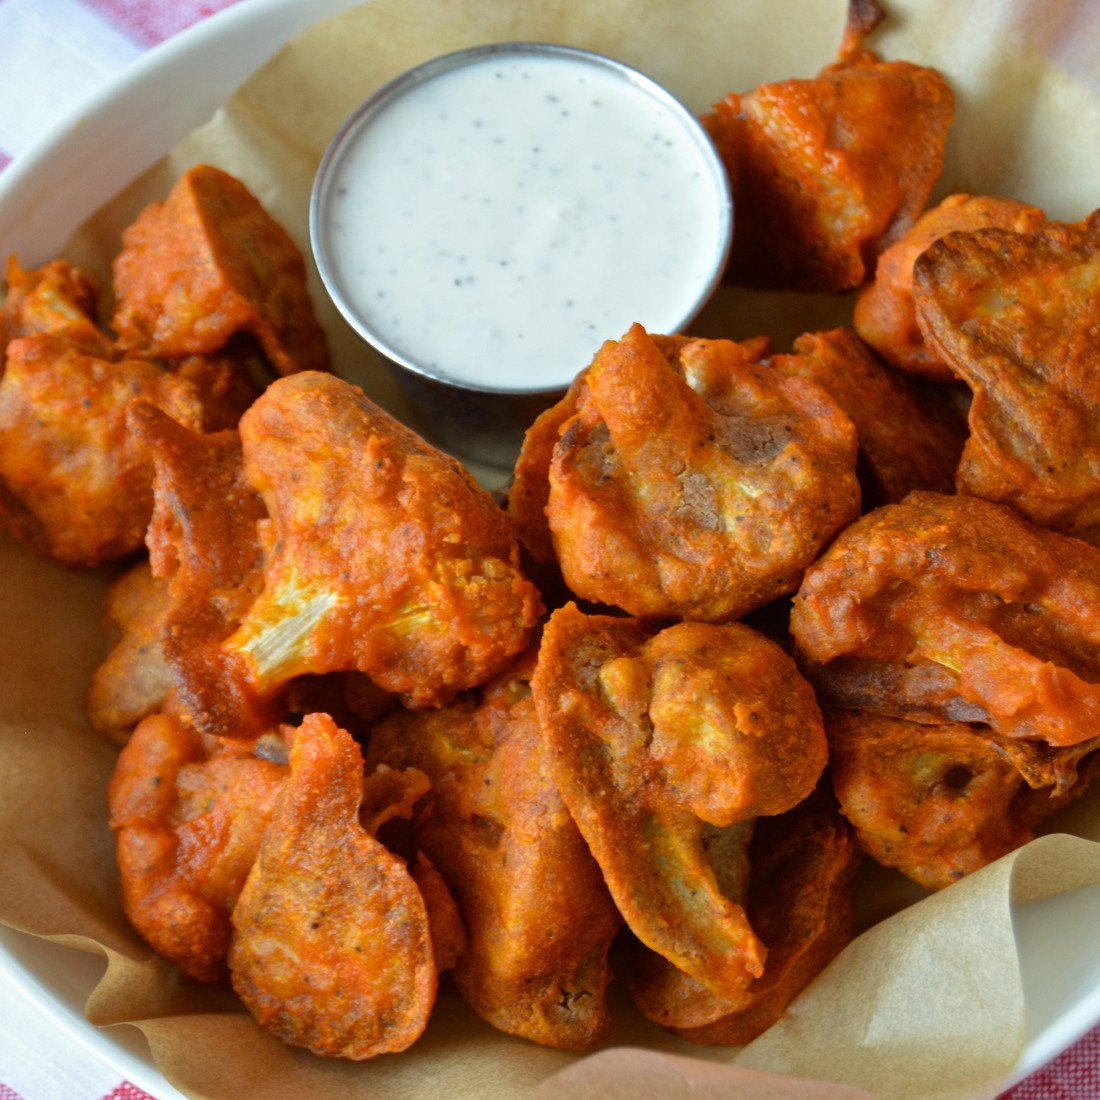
<point x="698" y="488"/>
<point x="83" y="484"/>
<point x="331" y="946"/>
<point x="660" y="990"/>
<point x="169" y="614"/>
<point x="133" y="680"/>
<point x="445" y="925"/>
<point x="939" y="801"/>
<point x="203" y="539"/>
<point x="827" y="172"/>
<point x="57" y="298"/>
<point x="353" y="701"/>
<point x="1014" y="316"/>
<point x="529" y="491"/>
<point x="207" y="263"/>
<point x="384" y="555"/>
<point x="802" y="864"/>
<point x="188" y="815"/>
<point x="908" y="437"/>
<point x="950" y="608"/>
<point x="656" y="741"/>
<point x="538" y="916"/>
<point x="885" y="314"/>
<point x="226" y="384"/>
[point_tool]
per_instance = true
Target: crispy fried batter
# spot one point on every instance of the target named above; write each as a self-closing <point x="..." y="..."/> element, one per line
<point x="1014" y="316"/>
<point x="353" y="701"/>
<point x="698" y="488"/>
<point x="936" y="801"/>
<point x="188" y="814"/>
<point x="133" y="680"/>
<point x="537" y="912"/>
<point x="203" y="539"/>
<point x="653" y="737"/>
<point x="799" y="900"/>
<point x="385" y="554"/>
<point x="331" y="945"/>
<point x="227" y="384"/>
<point x="529" y="491"/>
<point x="57" y="298"/>
<point x="827" y="172"/>
<point x="908" y="437"/>
<point x="83" y="483"/>
<point x="885" y="314"/>
<point x="207" y="263"/>
<point x="445" y="924"/>
<point x="949" y="608"/>
<point x="660" y="990"/>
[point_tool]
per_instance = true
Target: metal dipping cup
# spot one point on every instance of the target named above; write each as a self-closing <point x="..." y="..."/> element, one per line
<point x="485" y="420"/>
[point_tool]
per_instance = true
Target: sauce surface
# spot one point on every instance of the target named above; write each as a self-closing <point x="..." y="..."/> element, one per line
<point x="495" y="222"/>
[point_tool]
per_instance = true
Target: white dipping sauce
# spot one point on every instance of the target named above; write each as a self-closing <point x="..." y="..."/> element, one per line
<point x="493" y="222"/>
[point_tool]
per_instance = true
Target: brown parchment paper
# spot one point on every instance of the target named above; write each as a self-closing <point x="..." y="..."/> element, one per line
<point x="927" y="1004"/>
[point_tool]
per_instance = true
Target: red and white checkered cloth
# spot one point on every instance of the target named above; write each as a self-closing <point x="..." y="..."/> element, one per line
<point x="54" y="53"/>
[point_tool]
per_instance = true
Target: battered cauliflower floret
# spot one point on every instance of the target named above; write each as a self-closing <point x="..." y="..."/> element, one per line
<point x="383" y="554"/>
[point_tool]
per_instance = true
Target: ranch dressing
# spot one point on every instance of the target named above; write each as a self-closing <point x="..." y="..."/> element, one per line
<point x="493" y="220"/>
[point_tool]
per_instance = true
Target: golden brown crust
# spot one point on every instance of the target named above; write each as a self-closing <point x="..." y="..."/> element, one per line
<point x="941" y="801"/>
<point x="1014" y="315"/>
<point x="207" y="263"/>
<point x="188" y="815"/>
<point x="885" y="314"/>
<point x="529" y="491"/>
<point x="384" y="554"/>
<point x="948" y="608"/>
<point x="537" y="913"/>
<point x="66" y="455"/>
<point x="934" y="801"/>
<point x="331" y="946"/>
<point x="829" y="171"/>
<point x="203" y="539"/>
<point x="653" y="737"/>
<point x="799" y="900"/>
<point x="133" y="680"/>
<point x="908" y="438"/>
<point x="699" y="488"/>
<point x="56" y="298"/>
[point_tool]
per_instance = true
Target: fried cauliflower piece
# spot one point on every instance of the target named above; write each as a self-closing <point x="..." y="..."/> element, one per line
<point x="692" y="482"/>
<point x="885" y="314"/>
<point x="56" y="298"/>
<point x="538" y="916"/>
<point x="1014" y="316"/>
<point x="940" y="801"/>
<point x="188" y="814"/>
<point x="662" y="742"/>
<point x="206" y="264"/>
<point x="227" y="383"/>
<point x="950" y="608"/>
<point x="203" y="540"/>
<point x="908" y="437"/>
<point x="331" y="947"/>
<point x="134" y="680"/>
<point x="169" y="614"/>
<point x="529" y="491"/>
<point x="80" y="484"/>
<point x="800" y="867"/>
<point x="829" y="171"/>
<point x="384" y="555"/>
